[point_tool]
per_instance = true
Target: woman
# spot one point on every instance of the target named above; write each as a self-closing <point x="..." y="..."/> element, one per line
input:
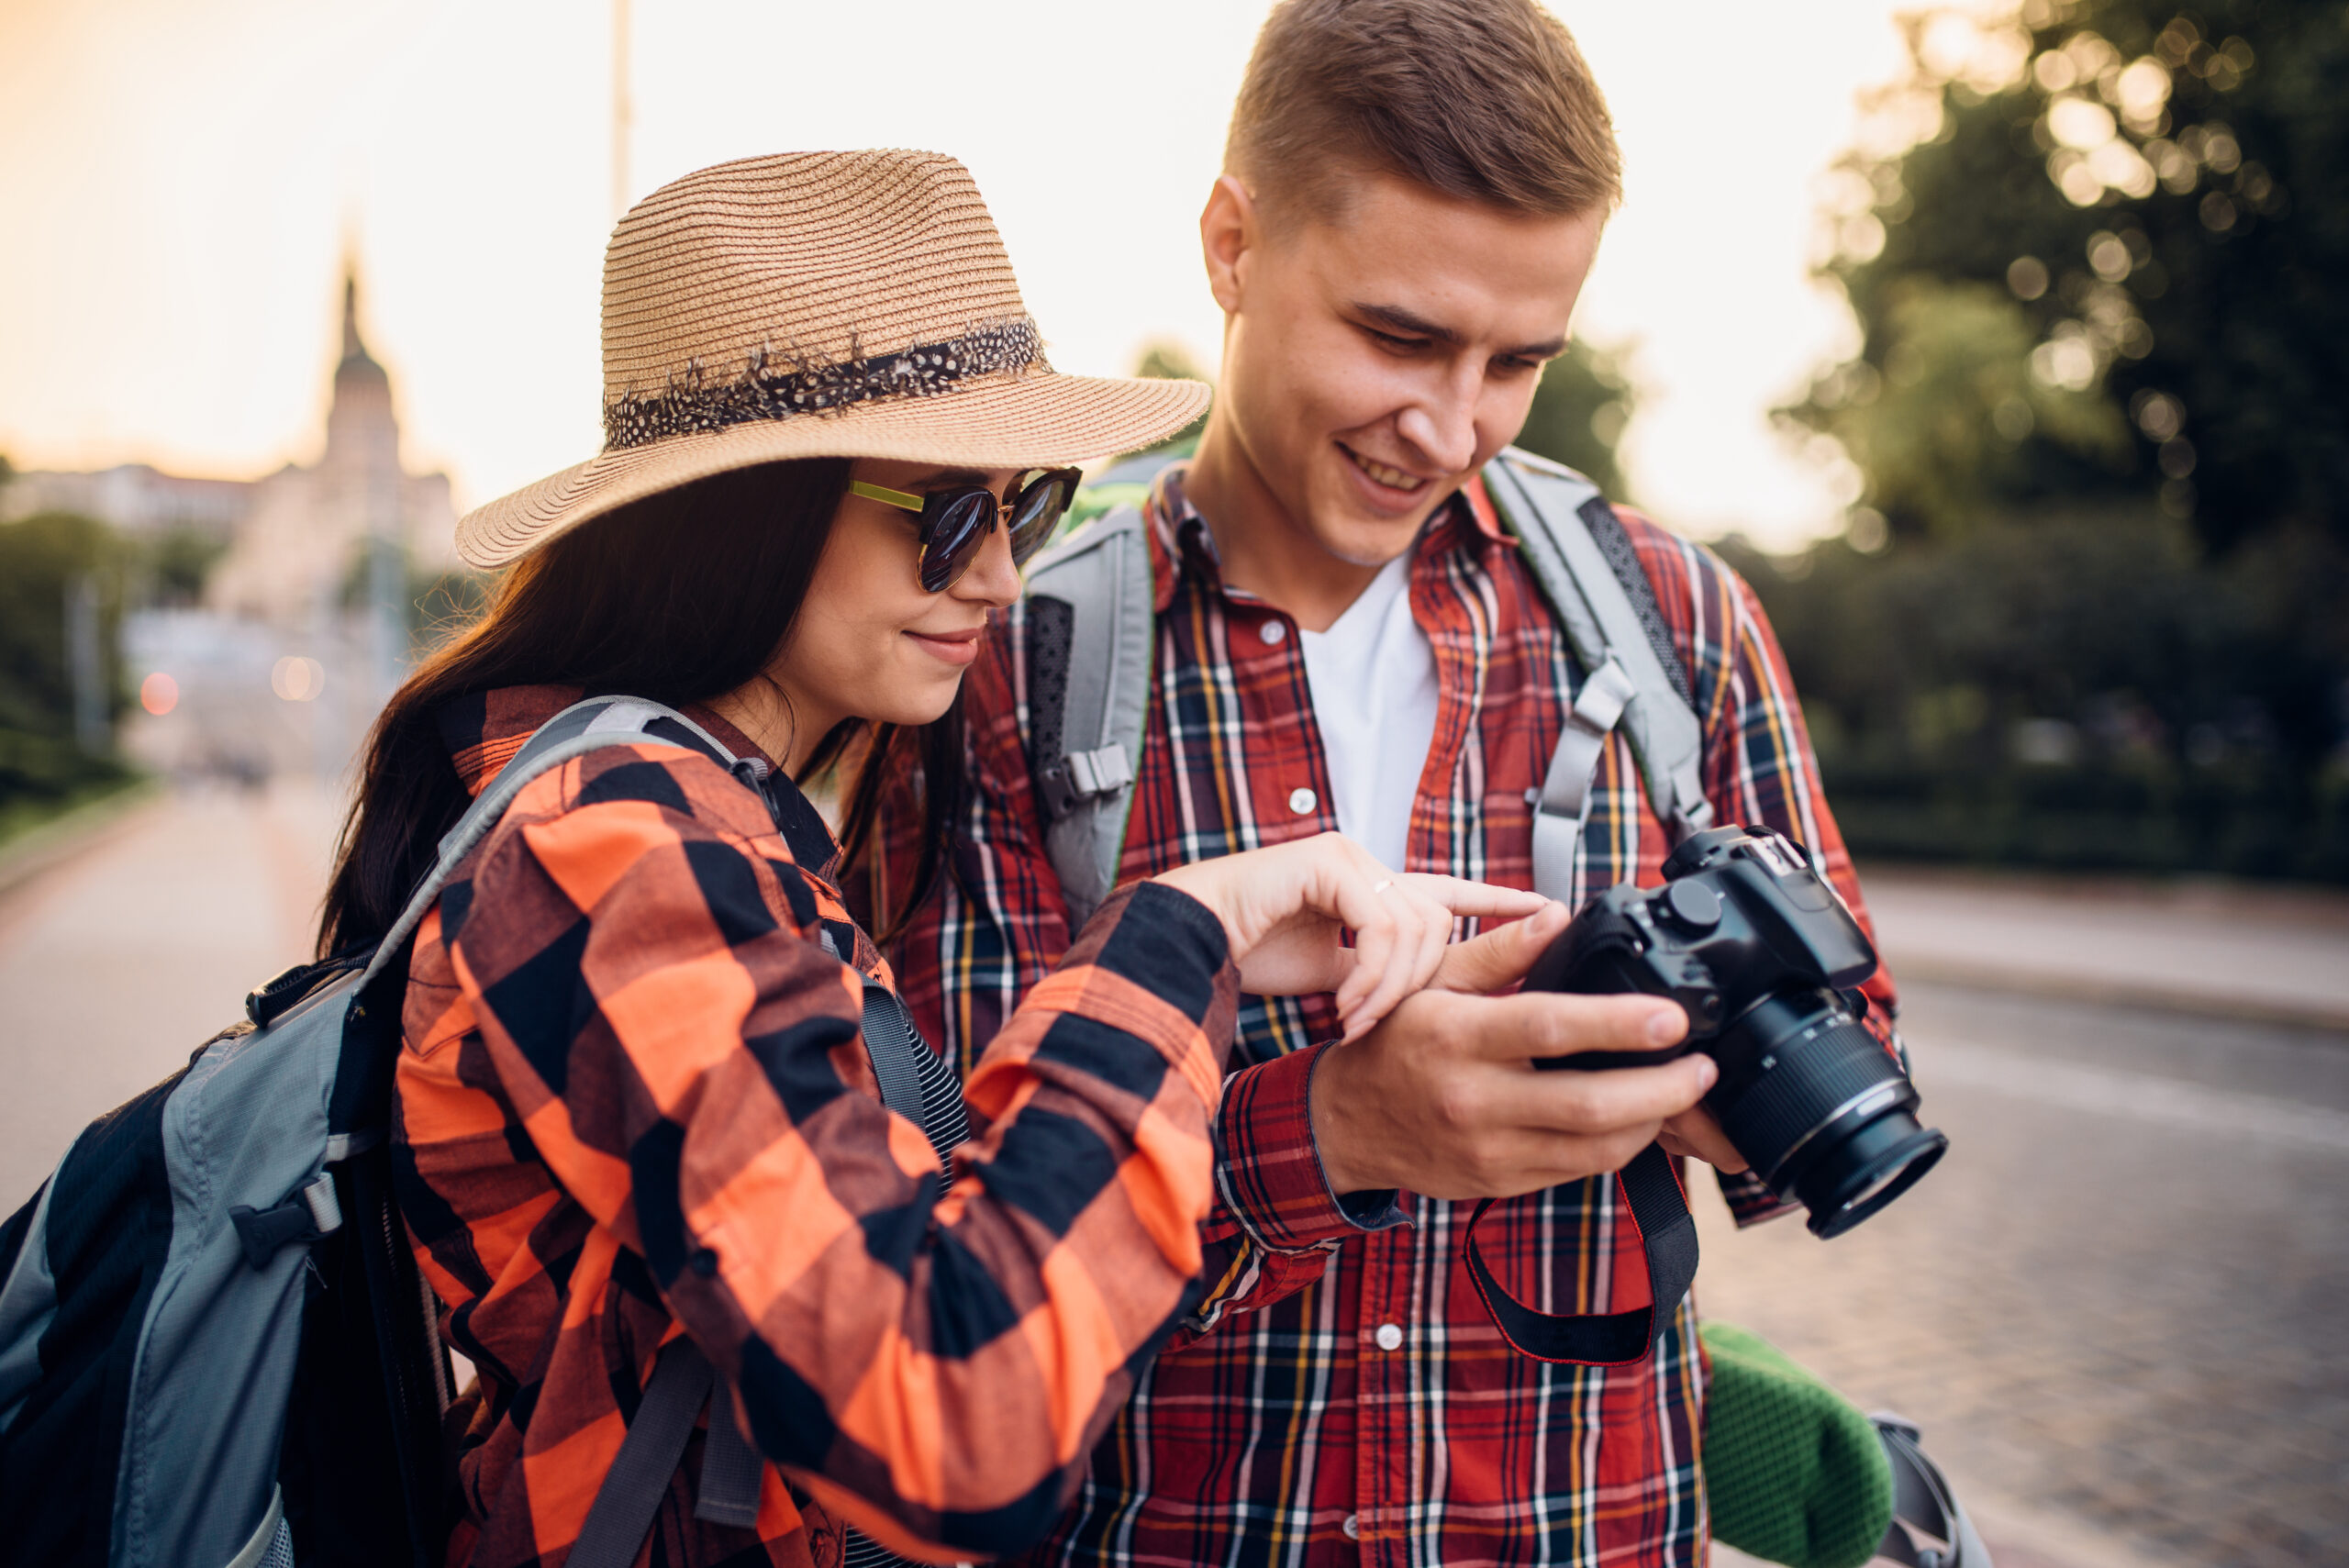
<point x="635" y="1109"/>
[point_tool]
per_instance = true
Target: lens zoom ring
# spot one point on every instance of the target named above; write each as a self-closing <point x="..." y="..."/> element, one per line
<point x="1812" y="1077"/>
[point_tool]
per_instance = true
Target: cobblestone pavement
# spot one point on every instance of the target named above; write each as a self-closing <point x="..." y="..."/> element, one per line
<point x="2116" y="1308"/>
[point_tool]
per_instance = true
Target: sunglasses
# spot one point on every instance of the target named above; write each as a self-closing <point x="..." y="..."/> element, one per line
<point x="956" y="521"/>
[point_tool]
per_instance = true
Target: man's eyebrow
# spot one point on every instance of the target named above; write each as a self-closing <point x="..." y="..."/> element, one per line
<point x="1402" y="320"/>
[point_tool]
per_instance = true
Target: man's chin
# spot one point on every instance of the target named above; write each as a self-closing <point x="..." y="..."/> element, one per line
<point x="1360" y="545"/>
<point x="1361" y="536"/>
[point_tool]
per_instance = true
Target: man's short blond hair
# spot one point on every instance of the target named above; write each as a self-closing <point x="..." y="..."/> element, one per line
<point x="1484" y="100"/>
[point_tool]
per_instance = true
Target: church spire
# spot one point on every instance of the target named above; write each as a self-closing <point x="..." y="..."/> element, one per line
<point x="353" y="349"/>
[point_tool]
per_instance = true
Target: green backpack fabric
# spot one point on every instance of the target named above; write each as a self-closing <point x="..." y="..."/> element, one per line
<point x="1795" y="1472"/>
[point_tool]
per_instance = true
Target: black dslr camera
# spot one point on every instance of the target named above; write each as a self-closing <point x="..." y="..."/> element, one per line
<point x="1754" y="943"/>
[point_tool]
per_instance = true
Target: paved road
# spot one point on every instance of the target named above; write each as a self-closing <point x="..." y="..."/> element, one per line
<point x="2116" y="1308"/>
<point x="117" y="965"/>
<point x="2279" y="953"/>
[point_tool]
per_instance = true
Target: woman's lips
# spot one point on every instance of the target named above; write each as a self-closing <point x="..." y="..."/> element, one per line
<point x="959" y="649"/>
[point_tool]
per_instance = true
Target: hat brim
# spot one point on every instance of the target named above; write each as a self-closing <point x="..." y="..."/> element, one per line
<point x="1029" y="421"/>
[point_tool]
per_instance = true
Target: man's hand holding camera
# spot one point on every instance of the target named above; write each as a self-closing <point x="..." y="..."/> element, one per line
<point x="1443" y="1097"/>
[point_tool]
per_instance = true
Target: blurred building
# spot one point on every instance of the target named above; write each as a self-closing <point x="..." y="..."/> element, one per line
<point x="133" y="497"/>
<point x="306" y="531"/>
<point x="299" y="538"/>
<point x="303" y="631"/>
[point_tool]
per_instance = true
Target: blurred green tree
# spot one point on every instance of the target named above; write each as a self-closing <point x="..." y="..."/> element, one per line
<point x="2164" y="195"/>
<point x="40" y="559"/>
<point x="176" y="564"/>
<point x="1579" y="414"/>
<point x="2099" y="255"/>
<point x="1955" y="429"/>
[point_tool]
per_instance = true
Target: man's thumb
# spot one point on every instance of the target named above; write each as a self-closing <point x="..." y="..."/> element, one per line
<point x="1500" y="958"/>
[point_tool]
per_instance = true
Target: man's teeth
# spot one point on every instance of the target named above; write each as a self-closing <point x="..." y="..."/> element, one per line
<point x="1394" y="478"/>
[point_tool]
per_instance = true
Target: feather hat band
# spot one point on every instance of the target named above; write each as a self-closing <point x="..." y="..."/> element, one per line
<point x="820" y="305"/>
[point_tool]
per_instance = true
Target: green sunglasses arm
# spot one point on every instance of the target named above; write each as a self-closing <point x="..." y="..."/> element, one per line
<point x="901" y="499"/>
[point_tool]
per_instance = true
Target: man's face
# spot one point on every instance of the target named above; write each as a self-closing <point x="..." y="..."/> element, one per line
<point x="1373" y="361"/>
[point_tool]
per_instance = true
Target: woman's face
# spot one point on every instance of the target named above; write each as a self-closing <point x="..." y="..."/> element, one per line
<point x="869" y="643"/>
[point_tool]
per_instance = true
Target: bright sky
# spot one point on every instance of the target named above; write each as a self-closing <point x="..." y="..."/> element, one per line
<point x="180" y="180"/>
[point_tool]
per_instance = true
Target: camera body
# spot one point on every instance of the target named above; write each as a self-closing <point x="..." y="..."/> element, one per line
<point x="1759" y="950"/>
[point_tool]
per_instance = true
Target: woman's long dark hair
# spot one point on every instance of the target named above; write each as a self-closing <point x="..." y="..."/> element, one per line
<point x="678" y="598"/>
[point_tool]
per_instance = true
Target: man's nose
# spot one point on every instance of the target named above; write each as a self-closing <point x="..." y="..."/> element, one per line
<point x="1443" y="426"/>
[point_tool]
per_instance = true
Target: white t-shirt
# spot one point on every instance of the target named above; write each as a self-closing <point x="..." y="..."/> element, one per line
<point x="1372" y="677"/>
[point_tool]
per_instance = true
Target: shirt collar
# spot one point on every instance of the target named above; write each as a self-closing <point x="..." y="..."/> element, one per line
<point x="1181" y="541"/>
<point x="485" y="730"/>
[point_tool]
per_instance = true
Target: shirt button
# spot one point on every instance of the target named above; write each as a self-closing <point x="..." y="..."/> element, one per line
<point x="1389" y="1337"/>
<point x="1301" y="801"/>
<point x="1351" y="1525"/>
<point x="1274" y="632"/>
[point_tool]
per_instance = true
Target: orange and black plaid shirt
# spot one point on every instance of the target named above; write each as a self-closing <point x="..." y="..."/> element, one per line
<point x="634" y="1103"/>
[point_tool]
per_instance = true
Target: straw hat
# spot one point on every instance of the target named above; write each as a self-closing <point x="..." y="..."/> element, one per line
<point x="820" y="305"/>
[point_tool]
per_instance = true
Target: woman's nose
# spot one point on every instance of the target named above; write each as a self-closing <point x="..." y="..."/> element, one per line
<point x="993" y="578"/>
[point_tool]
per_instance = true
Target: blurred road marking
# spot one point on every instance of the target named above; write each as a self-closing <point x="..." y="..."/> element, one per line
<point x="2104" y="1091"/>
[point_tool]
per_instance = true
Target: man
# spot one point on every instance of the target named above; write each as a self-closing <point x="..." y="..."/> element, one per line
<point x="1344" y="637"/>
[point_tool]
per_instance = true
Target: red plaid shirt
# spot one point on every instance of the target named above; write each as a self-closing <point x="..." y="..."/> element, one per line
<point x="1340" y="1395"/>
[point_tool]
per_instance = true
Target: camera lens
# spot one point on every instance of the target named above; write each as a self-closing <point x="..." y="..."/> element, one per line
<point x="1875" y="1165"/>
<point x="1820" y="1109"/>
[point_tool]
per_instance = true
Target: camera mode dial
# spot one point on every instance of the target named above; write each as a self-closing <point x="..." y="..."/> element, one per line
<point x="1693" y="906"/>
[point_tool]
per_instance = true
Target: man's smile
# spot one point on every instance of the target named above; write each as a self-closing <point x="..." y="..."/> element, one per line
<point x="1393" y="478"/>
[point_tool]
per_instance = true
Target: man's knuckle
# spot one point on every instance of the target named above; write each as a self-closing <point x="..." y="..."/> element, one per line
<point x="1456" y="1106"/>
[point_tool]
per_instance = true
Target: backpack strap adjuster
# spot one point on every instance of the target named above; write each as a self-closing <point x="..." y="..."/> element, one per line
<point x="311" y="1213"/>
<point x="1080" y="777"/>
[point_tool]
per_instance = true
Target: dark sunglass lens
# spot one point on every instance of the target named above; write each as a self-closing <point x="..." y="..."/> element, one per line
<point x="963" y="524"/>
<point x="1041" y="506"/>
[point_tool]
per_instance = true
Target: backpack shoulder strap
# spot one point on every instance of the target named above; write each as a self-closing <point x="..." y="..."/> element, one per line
<point x="1608" y="610"/>
<point x="582" y="728"/>
<point x="1089" y="645"/>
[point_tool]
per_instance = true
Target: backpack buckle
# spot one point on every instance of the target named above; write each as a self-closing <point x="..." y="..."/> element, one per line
<point x="268" y="1001"/>
<point x="1081" y="776"/>
<point x="310" y="1214"/>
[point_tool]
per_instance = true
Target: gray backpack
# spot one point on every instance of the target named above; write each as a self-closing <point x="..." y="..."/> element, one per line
<point x="1090" y="636"/>
<point x="215" y="1348"/>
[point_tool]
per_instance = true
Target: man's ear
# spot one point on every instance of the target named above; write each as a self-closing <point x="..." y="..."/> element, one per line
<point x="1230" y="230"/>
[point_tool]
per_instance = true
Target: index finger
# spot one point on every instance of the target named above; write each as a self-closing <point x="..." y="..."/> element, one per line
<point x="1555" y="1024"/>
<point x="1463" y="897"/>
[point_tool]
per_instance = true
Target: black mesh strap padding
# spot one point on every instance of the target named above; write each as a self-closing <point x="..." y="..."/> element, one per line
<point x="1667" y="1235"/>
<point x="1607" y="530"/>
<point x="1050" y="628"/>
